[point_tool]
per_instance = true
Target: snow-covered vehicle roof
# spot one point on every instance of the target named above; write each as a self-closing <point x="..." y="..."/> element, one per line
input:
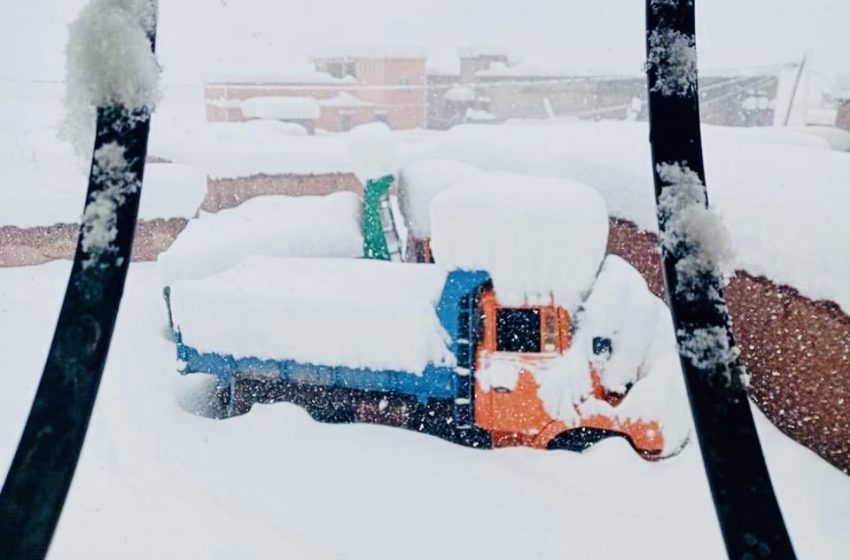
<point x="420" y="182"/>
<point x="332" y="312"/>
<point x="277" y="226"/>
<point x="541" y="239"/>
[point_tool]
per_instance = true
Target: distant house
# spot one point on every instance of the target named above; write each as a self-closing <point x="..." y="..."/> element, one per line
<point x="487" y="83"/>
<point x="348" y="90"/>
<point x="842" y="118"/>
<point x="304" y="111"/>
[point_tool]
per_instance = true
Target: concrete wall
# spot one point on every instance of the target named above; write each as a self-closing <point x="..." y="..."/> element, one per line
<point x="227" y="193"/>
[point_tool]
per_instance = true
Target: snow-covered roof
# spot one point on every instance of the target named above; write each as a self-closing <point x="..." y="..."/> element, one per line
<point x="541" y="239"/>
<point x="306" y="75"/>
<point x="276" y="226"/>
<point x="282" y="108"/>
<point x="344" y="99"/>
<point x="420" y="182"/>
<point x="335" y="312"/>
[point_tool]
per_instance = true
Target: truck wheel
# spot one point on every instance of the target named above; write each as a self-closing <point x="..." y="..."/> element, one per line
<point x="238" y="399"/>
<point x="579" y="439"/>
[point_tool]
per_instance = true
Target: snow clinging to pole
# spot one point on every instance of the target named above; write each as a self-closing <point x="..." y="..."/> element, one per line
<point x="673" y="55"/>
<point x="109" y="62"/>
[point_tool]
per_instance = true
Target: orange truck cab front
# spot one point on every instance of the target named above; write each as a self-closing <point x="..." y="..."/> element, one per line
<point x="525" y="361"/>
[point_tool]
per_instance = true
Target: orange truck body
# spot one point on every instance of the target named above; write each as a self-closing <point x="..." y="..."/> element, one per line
<point x="518" y="416"/>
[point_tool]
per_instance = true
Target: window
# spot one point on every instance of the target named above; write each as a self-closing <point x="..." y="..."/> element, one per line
<point x="550" y="330"/>
<point x="518" y="330"/>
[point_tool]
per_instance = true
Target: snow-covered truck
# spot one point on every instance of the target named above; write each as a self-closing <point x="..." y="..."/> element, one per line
<point x="524" y="333"/>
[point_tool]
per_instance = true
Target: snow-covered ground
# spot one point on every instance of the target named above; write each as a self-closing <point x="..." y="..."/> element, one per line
<point x="156" y="481"/>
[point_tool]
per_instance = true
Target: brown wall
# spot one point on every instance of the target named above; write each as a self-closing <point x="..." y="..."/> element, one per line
<point x="796" y="350"/>
<point x="842" y="119"/>
<point x="227" y="193"/>
<point x="38" y="245"/>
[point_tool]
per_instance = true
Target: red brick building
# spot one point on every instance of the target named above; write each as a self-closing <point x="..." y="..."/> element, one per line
<point x="842" y="118"/>
<point x="351" y="90"/>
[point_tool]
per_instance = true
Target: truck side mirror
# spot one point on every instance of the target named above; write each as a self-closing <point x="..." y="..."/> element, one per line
<point x="602" y="346"/>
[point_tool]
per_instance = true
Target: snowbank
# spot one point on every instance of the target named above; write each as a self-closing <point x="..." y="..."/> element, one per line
<point x="229" y="150"/>
<point x="276" y="226"/>
<point x="540" y="239"/>
<point x="420" y="182"/>
<point x="281" y="108"/>
<point x="332" y="312"/>
<point x="263" y="126"/>
<point x="149" y="466"/>
<point x="51" y="191"/>
<point x="172" y="191"/>
<point x="460" y="94"/>
<point x="758" y="179"/>
<point x="372" y="151"/>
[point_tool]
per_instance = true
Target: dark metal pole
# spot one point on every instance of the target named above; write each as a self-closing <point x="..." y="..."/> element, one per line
<point x="749" y="515"/>
<point x="43" y="467"/>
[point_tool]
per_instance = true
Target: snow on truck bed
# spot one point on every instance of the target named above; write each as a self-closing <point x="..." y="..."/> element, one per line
<point x="541" y="239"/>
<point x="334" y="312"/>
<point x="276" y="226"/>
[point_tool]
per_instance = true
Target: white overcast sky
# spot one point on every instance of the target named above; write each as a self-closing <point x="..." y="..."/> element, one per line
<point x="200" y="36"/>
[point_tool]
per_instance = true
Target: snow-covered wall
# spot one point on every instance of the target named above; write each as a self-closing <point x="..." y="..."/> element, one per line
<point x="278" y="226"/>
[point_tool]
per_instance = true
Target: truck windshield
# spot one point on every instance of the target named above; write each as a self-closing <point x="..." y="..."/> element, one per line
<point x="518" y="330"/>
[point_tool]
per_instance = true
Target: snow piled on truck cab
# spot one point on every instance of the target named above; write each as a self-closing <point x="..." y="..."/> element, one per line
<point x="642" y="365"/>
<point x="330" y="312"/>
<point x="110" y="62"/>
<point x="275" y="226"/>
<point x="421" y="181"/>
<point x="622" y="309"/>
<point x="541" y="239"/>
<point x="643" y="362"/>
